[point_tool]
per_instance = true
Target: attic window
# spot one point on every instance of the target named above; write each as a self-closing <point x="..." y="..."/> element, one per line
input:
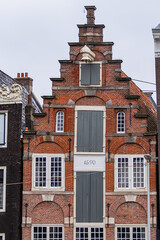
<point x="90" y="74"/>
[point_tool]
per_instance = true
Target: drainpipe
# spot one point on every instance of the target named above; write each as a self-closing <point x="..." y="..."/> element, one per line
<point x="156" y="36"/>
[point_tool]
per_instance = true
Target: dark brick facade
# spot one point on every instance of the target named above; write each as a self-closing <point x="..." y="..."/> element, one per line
<point x="11" y="158"/>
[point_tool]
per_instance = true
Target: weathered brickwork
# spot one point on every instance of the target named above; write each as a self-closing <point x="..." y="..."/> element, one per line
<point x="117" y="93"/>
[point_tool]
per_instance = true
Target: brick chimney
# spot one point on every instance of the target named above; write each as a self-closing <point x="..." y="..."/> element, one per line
<point x="23" y="79"/>
<point x="156" y="36"/>
<point x="90" y="14"/>
<point x="90" y="32"/>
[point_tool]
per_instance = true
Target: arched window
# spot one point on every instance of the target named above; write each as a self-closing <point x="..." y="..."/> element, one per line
<point x="60" y="121"/>
<point x="120" y="122"/>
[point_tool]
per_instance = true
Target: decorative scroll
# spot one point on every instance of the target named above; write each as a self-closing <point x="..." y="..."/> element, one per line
<point x="13" y="94"/>
<point x="87" y="54"/>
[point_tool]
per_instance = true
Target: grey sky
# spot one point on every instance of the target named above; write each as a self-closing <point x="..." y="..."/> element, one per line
<point x="34" y="36"/>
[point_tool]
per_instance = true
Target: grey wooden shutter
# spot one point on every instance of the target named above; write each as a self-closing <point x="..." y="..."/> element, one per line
<point x="96" y="131"/>
<point x="90" y="131"/>
<point x="95" y="74"/>
<point x="83" y="131"/>
<point x="85" y="74"/>
<point x="89" y="197"/>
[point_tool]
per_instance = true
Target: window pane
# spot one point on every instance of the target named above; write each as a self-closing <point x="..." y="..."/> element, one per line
<point x="123" y="173"/>
<point x="138" y="172"/>
<point x="123" y="233"/>
<point x="40" y="172"/>
<point x="55" y="233"/>
<point x="56" y="172"/>
<point x="81" y="233"/>
<point x="120" y="122"/>
<point x="60" y="121"/>
<point x="139" y="233"/>
<point x="40" y="233"/>
<point x="2" y="128"/>
<point x="96" y="233"/>
<point x="1" y="188"/>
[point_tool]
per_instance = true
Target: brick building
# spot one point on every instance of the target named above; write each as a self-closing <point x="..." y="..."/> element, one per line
<point x="13" y="102"/>
<point x="85" y="176"/>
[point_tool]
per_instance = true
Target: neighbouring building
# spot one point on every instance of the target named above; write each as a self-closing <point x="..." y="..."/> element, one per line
<point x="84" y="171"/>
<point x="14" y="101"/>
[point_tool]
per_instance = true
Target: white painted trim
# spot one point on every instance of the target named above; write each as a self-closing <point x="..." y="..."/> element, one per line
<point x="47" y="226"/>
<point x="48" y="167"/>
<point x="80" y="63"/>
<point x="130" y="173"/>
<point x="117" y="122"/>
<point x="57" y="121"/>
<point x="90" y="108"/>
<point x="4" y="189"/>
<point x="6" y="128"/>
<point x="131" y="226"/>
<point x="2" y="235"/>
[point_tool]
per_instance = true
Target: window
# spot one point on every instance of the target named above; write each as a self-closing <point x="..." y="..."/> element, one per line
<point x="89" y="197"/>
<point x="2" y="236"/>
<point x="131" y="233"/>
<point x="60" y="121"/>
<point x="3" y="129"/>
<point x="120" y="122"/>
<point x="47" y="233"/>
<point x="90" y="130"/>
<point x="89" y="233"/>
<point x="48" y="171"/>
<point x="90" y="74"/>
<point x="2" y="188"/>
<point x="130" y="172"/>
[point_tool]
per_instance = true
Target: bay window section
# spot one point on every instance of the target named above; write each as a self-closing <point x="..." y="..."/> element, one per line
<point x="47" y="233"/>
<point x="131" y="233"/>
<point x="130" y="172"/>
<point x="48" y="172"/>
<point x="89" y="233"/>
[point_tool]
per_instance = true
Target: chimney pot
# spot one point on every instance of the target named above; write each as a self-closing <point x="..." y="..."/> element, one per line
<point x="18" y="75"/>
<point x="26" y="74"/>
<point x="22" y="74"/>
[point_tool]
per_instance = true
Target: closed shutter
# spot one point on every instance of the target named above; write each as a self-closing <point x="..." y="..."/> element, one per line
<point x="90" y="74"/>
<point x="85" y="74"/>
<point x="90" y="131"/>
<point x="95" y="74"/>
<point x="89" y="197"/>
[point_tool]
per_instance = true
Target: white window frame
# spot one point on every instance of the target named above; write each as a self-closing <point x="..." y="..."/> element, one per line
<point x="4" y="190"/>
<point x="82" y="85"/>
<point x="5" y="130"/>
<point x="89" y="226"/>
<point x="47" y="226"/>
<point x="2" y="235"/>
<point x="90" y="108"/>
<point x="130" y="172"/>
<point x="48" y="172"/>
<point x="61" y="121"/>
<point x="131" y="226"/>
<point x="121" y="123"/>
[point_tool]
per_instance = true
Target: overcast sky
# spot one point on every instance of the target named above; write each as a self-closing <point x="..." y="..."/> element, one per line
<point x="34" y="36"/>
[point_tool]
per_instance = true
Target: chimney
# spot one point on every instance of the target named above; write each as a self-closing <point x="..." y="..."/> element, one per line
<point x="156" y="36"/>
<point x="90" y="14"/>
<point x="22" y="78"/>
